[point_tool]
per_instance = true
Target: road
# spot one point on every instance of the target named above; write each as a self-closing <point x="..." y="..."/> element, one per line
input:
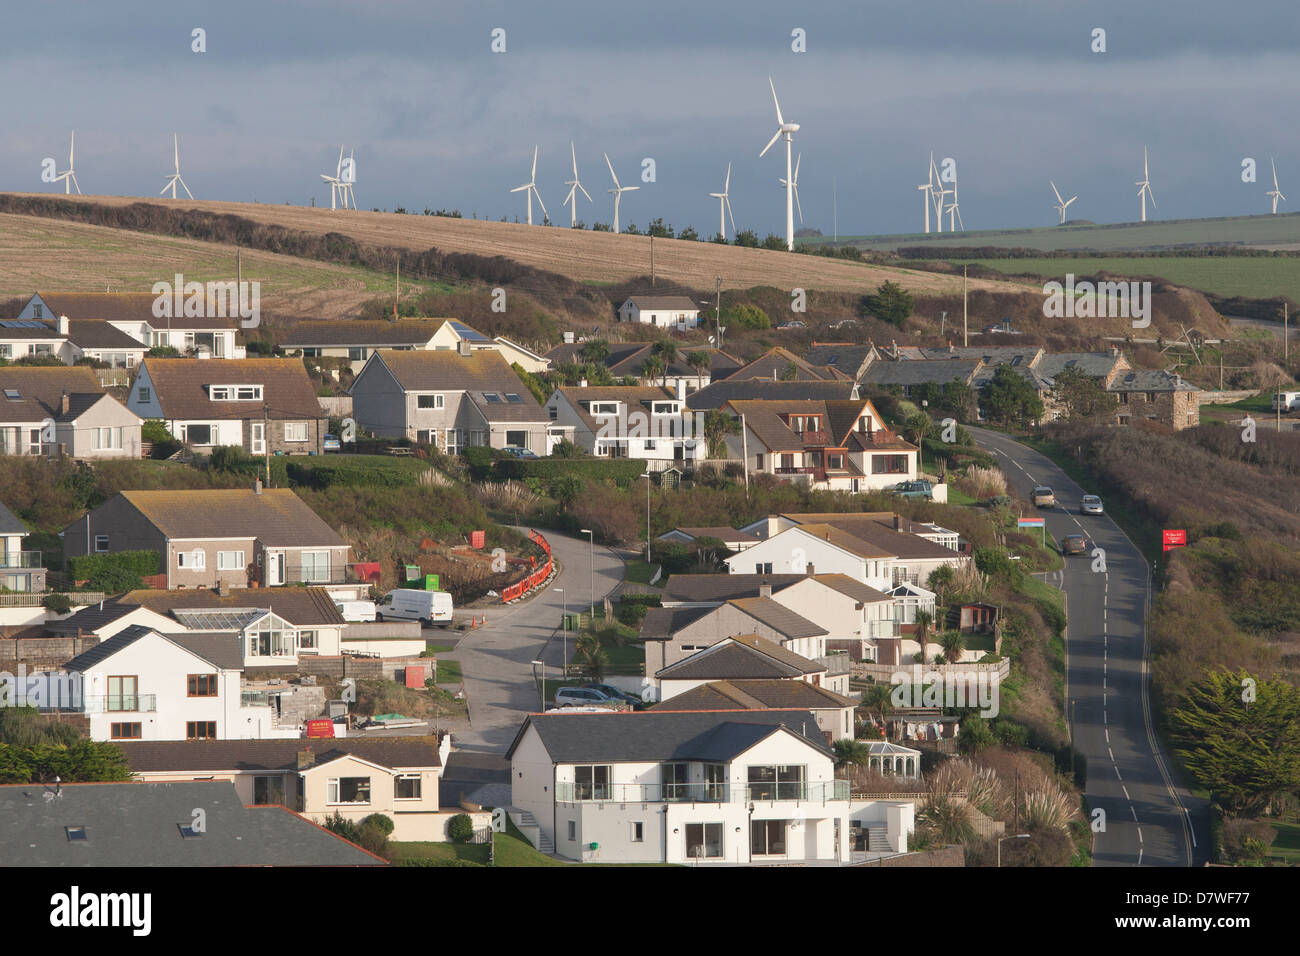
<point x="1129" y="775"/>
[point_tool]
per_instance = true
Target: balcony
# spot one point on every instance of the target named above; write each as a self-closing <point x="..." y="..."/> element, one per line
<point x="815" y="473"/>
<point x="835" y="664"/>
<point x="20" y="559"/>
<point x="120" y="704"/>
<point x="718" y="793"/>
<point x="815" y="439"/>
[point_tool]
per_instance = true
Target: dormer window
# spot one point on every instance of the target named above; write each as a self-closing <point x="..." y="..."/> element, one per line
<point x="664" y="408"/>
<point x="235" y="393"/>
<point x="603" y="408"/>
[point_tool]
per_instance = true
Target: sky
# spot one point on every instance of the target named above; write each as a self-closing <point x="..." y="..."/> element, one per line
<point x="1011" y="91"/>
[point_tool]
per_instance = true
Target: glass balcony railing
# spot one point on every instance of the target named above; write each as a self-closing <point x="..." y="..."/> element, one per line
<point x="20" y="559"/>
<point x="702" y="792"/>
<point x="120" y="703"/>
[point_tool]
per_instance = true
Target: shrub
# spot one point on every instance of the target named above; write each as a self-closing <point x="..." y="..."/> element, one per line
<point x="460" y="828"/>
<point x="57" y="603"/>
<point x="116" y="572"/>
<point x="746" y="316"/>
<point x="380" y="822"/>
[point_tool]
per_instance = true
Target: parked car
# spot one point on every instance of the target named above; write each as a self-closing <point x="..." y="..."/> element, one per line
<point x="1044" y="497"/>
<point x="357" y="610"/>
<point x="1003" y="329"/>
<point x="609" y="690"/>
<point x="518" y="452"/>
<point x="913" y="489"/>
<point x="331" y="443"/>
<point x="408" y="604"/>
<point x="1090" y="505"/>
<point x="792" y="324"/>
<point x="1074" y="544"/>
<point x="582" y="697"/>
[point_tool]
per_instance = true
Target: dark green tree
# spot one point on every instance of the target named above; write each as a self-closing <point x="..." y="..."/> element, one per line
<point x="891" y="303"/>
<point x="1010" y="399"/>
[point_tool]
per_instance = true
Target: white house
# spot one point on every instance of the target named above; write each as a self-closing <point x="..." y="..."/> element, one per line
<point x="742" y="787"/>
<point x="133" y="313"/>
<point x="662" y="311"/>
<point x="19" y="570"/>
<point x="649" y="423"/>
<point x="742" y="657"/>
<point x="823" y="547"/>
<point x="833" y="712"/>
<point x="48" y="410"/>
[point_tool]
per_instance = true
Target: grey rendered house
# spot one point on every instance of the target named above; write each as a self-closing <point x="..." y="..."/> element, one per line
<point x="205" y="538"/>
<point x="51" y="410"/>
<point x="451" y="399"/>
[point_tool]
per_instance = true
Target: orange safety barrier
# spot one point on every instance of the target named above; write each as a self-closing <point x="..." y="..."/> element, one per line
<point x="537" y="577"/>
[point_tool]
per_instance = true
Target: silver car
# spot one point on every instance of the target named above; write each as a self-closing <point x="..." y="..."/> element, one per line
<point x="1090" y="505"/>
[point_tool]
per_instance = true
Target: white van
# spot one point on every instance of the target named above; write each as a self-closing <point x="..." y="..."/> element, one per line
<point x="1289" y="401"/>
<point x="427" y="607"/>
<point x="356" y="611"/>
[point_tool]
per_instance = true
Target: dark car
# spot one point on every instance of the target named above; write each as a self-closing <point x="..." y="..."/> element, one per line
<point x="913" y="489"/>
<point x="614" y="693"/>
<point x="1074" y="544"/>
<point x="519" y="452"/>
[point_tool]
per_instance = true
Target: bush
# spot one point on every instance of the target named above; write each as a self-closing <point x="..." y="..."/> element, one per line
<point x="746" y="316"/>
<point x="57" y="603"/>
<point x="460" y="828"/>
<point x="116" y="572"/>
<point x="380" y="822"/>
<point x="620" y="470"/>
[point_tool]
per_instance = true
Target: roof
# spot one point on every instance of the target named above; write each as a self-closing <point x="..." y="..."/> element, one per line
<point x="1148" y="380"/>
<point x="1092" y="364"/>
<point x="683" y="303"/>
<point x="302" y="606"/>
<point x="10" y="523"/>
<point x="775" y="364"/>
<point x="98" y="334"/>
<point x="91" y="618"/>
<point x="778" y="617"/>
<point x="484" y="375"/>
<point x="919" y="373"/>
<point x="276" y="516"/>
<point x="40" y="389"/>
<point x="625" y="358"/>
<point x="181" y="387"/>
<point x="756" y="695"/>
<point x="717" y="588"/>
<point x="1017" y="355"/>
<point x="661" y="623"/>
<point x="123" y="307"/>
<point x="220" y="650"/>
<point x="851" y="542"/>
<point x="731" y="389"/>
<point x="853" y="588"/>
<point x="29" y="329"/>
<point x="633" y="396"/>
<point x="742" y="656"/>
<point x="655" y="735"/>
<point x="848" y="357"/>
<point x="721" y="532"/>
<point x="870" y="529"/>
<point x="354" y="332"/>
<point x="214" y="756"/>
<point x="138" y="824"/>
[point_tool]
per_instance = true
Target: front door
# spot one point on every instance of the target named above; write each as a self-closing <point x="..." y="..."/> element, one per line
<point x="274" y="568"/>
<point x="257" y="440"/>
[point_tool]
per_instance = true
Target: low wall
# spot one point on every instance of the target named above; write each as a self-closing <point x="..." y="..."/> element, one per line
<point x="386" y="647"/>
<point x="948" y="856"/>
<point x="44" y="652"/>
<point x="362" y="668"/>
<point x="882" y="673"/>
<point x="1225" y="398"/>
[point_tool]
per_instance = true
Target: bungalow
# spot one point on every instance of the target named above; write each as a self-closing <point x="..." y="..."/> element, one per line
<point x="19" y="570"/>
<point x="731" y="539"/>
<point x="356" y="341"/>
<point x="69" y="341"/>
<point x="204" y="538"/>
<point x="133" y="313"/>
<point x="626" y="360"/>
<point x="765" y="389"/>
<point x="451" y="399"/>
<point x="775" y="524"/>
<point x="260" y="405"/>
<point x="650" y="423"/>
<point x="743" y="657"/>
<point x="679" y="312"/>
<point x="48" y="410"/>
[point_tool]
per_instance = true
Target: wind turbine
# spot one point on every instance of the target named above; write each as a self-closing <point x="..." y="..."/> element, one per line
<point x="574" y="186"/>
<point x="794" y="185"/>
<point x="617" y="190"/>
<point x="937" y="192"/>
<point x="345" y="185"/>
<point x="1276" y="193"/>
<point x="334" y="181"/>
<point x="787" y="130"/>
<point x="1061" y="204"/>
<point x="1144" y="186"/>
<point x="724" y="205"/>
<point x="530" y="189"/>
<point x="175" y="177"/>
<point x="927" y="188"/>
<point x="954" y="210"/>
<point x="69" y="176"/>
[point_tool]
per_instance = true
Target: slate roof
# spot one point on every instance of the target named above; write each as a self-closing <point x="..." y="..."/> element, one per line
<point x="10" y="523"/>
<point x="41" y="388"/>
<point x="91" y="618"/>
<point x="482" y="372"/>
<point x="1092" y="364"/>
<point x="301" y="606"/>
<point x="1148" y="380"/>
<point x="1017" y="355"/>
<point x="721" y="532"/>
<point x="682" y="303"/>
<point x="778" y="617"/>
<point x="181" y="388"/>
<point x="731" y="389"/>
<point x="868" y="529"/>
<point x="220" y="650"/>
<point x="138" y="824"/>
<point x="276" y="516"/>
<point x="653" y="735"/>
<point x="693" y="588"/>
<point x="661" y="623"/>
<point x="741" y="656"/>
<point x="122" y="307"/>
<point x="919" y="373"/>
<point x="633" y="397"/>
<point x="775" y="364"/>
<point x="214" y="756"/>
<point x="852" y="542"/>
<point x="847" y="357"/>
<point x="98" y="334"/>
<point x="756" y="695"/>
<point x="354" y="332"/>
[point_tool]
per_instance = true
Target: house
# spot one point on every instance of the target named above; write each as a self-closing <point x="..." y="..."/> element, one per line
<point x="743" y="657"/>
<point x="264" y="406"/>
<point x="765" y="389"/>
<point x="124" y="824"/>
<point x="850" y="358"/>
<point x="736" y="786"/>
<point x="780" y="364"/>
<point x="204" y="538"/>
<point x="19" y="570"/>
<point x="69" y="341"/>
<point x="451" y="399"/>
<point x="143" y="685"/>
<point x="48" y="410"/>
<point x="833" y="712"/>
<point x="353" y="777"/>
<point x="907" y="376"/>
<point x="830" y="445"/>
<point x="649" y="423"/>
<point x="1155" y="396"/>
<point x="357" y="340"/>
<point x="625" y="360"/>
<point x="133" y="313"/>
<point x="107" y="618"/>
<point x="678" y="312"/>
<point x="731" y="539"/>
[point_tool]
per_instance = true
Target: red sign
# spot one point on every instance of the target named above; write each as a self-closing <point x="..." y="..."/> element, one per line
<point x="1175" y="539"/>
<point x="320" y="728"/>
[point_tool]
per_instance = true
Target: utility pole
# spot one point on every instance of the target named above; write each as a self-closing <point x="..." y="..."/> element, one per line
<point x="744" y="454"/>
<point x="717" y="316"/>
<point x="266" y="441"/>
<point x="399" y="285"/>
<point x="1286" y="351"/>
<point x="965" y="332"/>
<point x="652" y="258"/>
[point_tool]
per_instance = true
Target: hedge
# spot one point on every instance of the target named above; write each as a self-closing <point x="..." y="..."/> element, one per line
<point x="118" y="571"/>
<point x="320" y="473"/>
<point x="621" y="470"/>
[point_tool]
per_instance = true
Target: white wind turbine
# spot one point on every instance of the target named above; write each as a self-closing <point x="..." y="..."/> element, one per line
<point x="1276" y="193"/>
<point x="794" y="185"/>
<point x="69" y="177"/>
<point x="938" y="192"/>
<point x="617" y="190"/>
<point x="530" y="189"/>
<point x="954" y="210"/>
<point x="335" y="181"/>
<point x="175" y="177"/>
<point x="787" y="130"/>
<point x="1144" y="186"/>
<point x="927" y="189"/>
<point x="1061" y="204"/>
<point x="345" y="185"/>
<point x="724" y="205"/>
<point x="574" y="186"/>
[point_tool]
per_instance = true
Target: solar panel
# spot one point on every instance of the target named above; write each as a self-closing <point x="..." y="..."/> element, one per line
<point x="473" y="335"/>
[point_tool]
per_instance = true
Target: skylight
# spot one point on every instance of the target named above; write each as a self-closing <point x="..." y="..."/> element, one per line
<point x="492" y="398"/>
<point x="188" y="831"/>
<point x="12" y="394"/>
<point x="512" y="397"/>
<point x="76" y="833"/>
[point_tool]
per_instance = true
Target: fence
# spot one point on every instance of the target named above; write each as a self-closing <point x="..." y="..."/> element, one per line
<point x="883" y="673"/>
<point x="75" y="598"/>
<point x="519" y="589"/>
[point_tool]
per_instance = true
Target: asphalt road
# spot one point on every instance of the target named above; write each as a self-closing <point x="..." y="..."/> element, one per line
<point x="1149" y="819"/>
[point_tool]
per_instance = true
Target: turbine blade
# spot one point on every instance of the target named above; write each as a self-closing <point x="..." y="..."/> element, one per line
<point x="770" y="143"/>
<point x="186" y="188"/>
<point x="338" y="170"/>
<point x="727" y="200"/>
<point x="611" y="169"/>
<point x="534" y="176"/>
<point x="585" y="193"/>
<point x="779" y="120"/>
<point x="726" y="184"/>
<point x="574" y="152"/>
<point x="629" y="189"/>
<point x="795" y="189"/>
<point x="798" y="160"/>
<point x="1057" y="191"/>
<point x="539" y="201"/>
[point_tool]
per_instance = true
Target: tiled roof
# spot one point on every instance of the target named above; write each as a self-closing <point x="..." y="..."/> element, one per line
<point x="122" y="307"/>
<point x="41" y="387"/>
<point x="919" y="372"/>
<point x="854" y="543"/>
<point x="778" y="617"/>
<point x="869" y="528"/>
<point x="683" y="303"/>
<point x="723" y="587"/>
<point x="661" y="623"/>
<point x="848" y="357"/>
<point x="10" y="523"/>
<point x="756" y="695"/>
<point x="1092" y="364"/>
<point x="276" y="516"/>
<point x="634" y="398"/>
<point x="91" y="618"/>
<point x="730" y="389"/>
<point x="775" y="364"/>
<point x="300" y="606"/>
<point x="158" y="756"/>
<point x="989" y="354"/>
<point x="743" y="656"/>
<point x="181" y="388"/>
<point x="98" y="334"/>
<point x="483" y="372"/>
<point x="722" y="533"/>
<point x="853" y="588"/>
<point x="353" y="332"/>
<point x="1149" y="380"/>
<point x="219" y="650"/>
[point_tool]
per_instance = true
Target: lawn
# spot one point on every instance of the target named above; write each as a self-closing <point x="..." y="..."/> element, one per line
<point x="638" y="571"/>
<point x="449" y="671"/>
<point x="1286" y="848"/>
<point x="958" y="497"/>
<point x="512" y="849"/>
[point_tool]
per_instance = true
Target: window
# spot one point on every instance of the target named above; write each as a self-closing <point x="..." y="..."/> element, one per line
<point x="430" y="401"/>
<point x="295" y="431"/>
<point x="122" y="693"/>
<point x="13" y="394"/>
<point x="270" y="641"/>
<point x="703" y="840"/>
<point x="348" y="790"/>
<point x="407" y="787"/>
<point x="189" y="831"/>
<point x="235" y="393"/>
<point x="674" y="777"/>
<point x="889" y="464"/>
<point x="638" y="832"/>
<point x="604" y="408"/>
<point x="76" y="833"/>
<point x="553" y="412"/>
<point x="307" y="640"/>
<point x="517" y="439"/>
<point x="201" y="685"/>
<point x="573" y="830"/>
<point x="230" y="560"/>
<point x="776" y="782"/>
<point x="38" y="311"/>
<point x="200" y="730"/>
<point x="197" y="434"/>
<point x="101" y="542"/>
<point x="268" y="791"/>
<point x="835" y="461"/>
<point x="767" y="837"/>
<point x="513" y="398"/>
<point x="356" y="354"/>
<point x="763" y="567"/>
<point x="591" y="782"/>
<point x="142" y="394"/>
<point x="107" y="438"/>
<point x="124" y="731"/>
<point x="492" y="398"/>
<point x="715" y="782"/>
<point x="663" y="408"/>
<point x="195" y="560"/>
<point x="758" y="462"/>
<point x="315" y="565"/>
<point x="1151" y="398"/>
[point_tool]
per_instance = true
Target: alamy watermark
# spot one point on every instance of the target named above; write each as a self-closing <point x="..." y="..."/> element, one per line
<point x="1103" y="300"/>
<point x="949" y="688"/>
<point x="41" y="689"/>
<point x="211" y="300"/>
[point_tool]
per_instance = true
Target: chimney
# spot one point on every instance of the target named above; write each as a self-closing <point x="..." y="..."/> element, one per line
<point x="582" y="383"/>
<point x="811" y="570"/>
<point x="62" y="325"/>
<point x="306" y="759"/>
<point x="65" y="404"/>
<point x="463" y="347"/>
<point x="765" y="589"/>
<point x="257" y="486"/>
<point x="898" y="522"/>
<point x="680" y="389"/>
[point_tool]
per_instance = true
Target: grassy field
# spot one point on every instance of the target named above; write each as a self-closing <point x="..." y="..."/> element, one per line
<point x="1286" y="848"/>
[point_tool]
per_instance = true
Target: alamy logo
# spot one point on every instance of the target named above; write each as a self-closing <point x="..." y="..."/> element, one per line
<point x="41" y="689"/>
<point x="74" y="908"/>
<point x="212" y="300"/>
<point x="1103" y="300"/>
<point x="964" y="688"/>
<point x="672" y="425"/>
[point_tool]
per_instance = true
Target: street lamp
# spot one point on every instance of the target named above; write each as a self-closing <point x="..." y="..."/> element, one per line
<point x="647" y="477"/>
<point x="1018" y="836"/>
<point x="565" y="621"/>
<point x="591" y="563"/>
<point x="541" y="693"/>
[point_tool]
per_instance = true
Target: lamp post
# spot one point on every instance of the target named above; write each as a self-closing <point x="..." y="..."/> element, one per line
<point x="591" y="563"/>
<point x="541" y="693"/>
<point x="1018" y="836"/>
<point x="565" y="621"/>
<point x="647" y="477"/>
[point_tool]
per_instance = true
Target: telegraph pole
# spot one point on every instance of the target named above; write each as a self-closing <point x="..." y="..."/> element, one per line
<point x="717" y="315"/>
<point x="652" y="257"/>
<point x="965" y="332"/>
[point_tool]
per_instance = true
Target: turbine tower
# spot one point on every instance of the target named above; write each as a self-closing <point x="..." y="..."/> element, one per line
<point x="175" y="177"/>
<point x="927" y="189"/>
<point x="1061" y="204"/>
<point x="618" y="190"/>
<point x="345" y="185"/>
<point x="954" y="210"/>
<point x="794" y="185"/>
<point x="69" y="176"/>
<point x="937" y="192"/>
<point x="530" y="189"/>
<point x="1276" y="193"/>
<point x="787" y="130"/>
<point x="724" y="206"/>
<point x="334" y="181"/>
<point x="574" y="186"/>
<point x="1144" y="186"/>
